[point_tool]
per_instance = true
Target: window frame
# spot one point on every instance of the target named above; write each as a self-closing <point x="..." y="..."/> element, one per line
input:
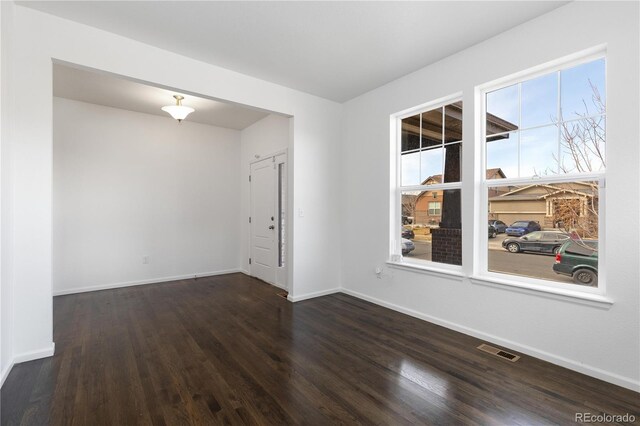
<point x="437" y="211"/>
<point x="396" y="189"/>
<point x="481" y="273"/>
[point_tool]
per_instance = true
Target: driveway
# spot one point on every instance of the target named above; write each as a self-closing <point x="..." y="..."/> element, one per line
<point x="496" y="243"/>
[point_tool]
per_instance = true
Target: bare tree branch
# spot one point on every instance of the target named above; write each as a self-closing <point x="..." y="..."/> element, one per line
<point x="582" y="147"/>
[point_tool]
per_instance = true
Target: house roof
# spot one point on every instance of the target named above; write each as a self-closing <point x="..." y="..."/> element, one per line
<point x="434" y="178"/>
<point x="498" y="125"/>
<point x="495" y="173"/>
<point x="524" y="197"/>
<point x="429" y="125"/>
<point x="545" y="191"/>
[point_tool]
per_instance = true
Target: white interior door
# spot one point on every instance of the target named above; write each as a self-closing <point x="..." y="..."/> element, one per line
<point x="263" y="224"/>
<point x="268" y="220"/>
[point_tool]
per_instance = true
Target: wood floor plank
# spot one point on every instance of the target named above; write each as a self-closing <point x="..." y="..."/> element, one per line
<point x="229" y="350"/>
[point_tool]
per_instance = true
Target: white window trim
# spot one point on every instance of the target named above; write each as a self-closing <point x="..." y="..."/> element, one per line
<point x="424" y="267"/>
<point x="481" y="274"/>
<point x="531" y="287"/>
<point x="561" y="291"/>
<point x="395" y="214"/>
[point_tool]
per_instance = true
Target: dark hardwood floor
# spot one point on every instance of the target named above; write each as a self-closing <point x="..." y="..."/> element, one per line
<point x="228" y="349"/>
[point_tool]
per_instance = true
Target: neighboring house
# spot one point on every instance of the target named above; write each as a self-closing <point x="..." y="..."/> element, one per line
<point x="496" y="173"/>
<point x="563" y="205"/>
<point x="428" y="204"/>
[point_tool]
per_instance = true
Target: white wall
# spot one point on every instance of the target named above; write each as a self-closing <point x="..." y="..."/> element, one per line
<point x="37" y="39"/>
<point x="265" y="137"/>
<point x="601" y="342"/>
<point x="6" y="328"/>
<point x="128" y="185"/>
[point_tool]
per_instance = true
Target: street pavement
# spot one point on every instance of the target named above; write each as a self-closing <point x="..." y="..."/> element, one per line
<point x="528" y="264"/>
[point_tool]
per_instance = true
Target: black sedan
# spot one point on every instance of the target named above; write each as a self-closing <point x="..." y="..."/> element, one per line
<point x="408" y="233"/>
<point x="538" y="241"/>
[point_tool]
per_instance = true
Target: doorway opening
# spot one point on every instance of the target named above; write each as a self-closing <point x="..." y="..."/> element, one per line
<point x="140" y="198"/>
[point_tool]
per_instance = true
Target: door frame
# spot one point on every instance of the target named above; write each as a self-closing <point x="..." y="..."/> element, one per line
<point x="281" y="273"/>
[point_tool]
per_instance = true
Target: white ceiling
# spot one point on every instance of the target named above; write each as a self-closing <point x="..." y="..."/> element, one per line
<point x="337" y="50"/>
<point x="109" y="90"/>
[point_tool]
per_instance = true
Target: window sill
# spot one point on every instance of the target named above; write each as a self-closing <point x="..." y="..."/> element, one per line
<point x="572" y="296"/>
<point x="581" y="298"/>
<point x="427" y="269"/>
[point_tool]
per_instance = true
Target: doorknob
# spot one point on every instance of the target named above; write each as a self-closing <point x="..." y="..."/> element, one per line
<point x="272" y="227"/>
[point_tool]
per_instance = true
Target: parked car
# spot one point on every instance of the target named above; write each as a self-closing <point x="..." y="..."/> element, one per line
<point x="500" y="226"/>
<point x="407" y="246"/>
<point x="579" y="260"/>
<point x="407" y="220"/>
<point x="522" y="227"/>
<point x="538" y="241"/>
<point x="408" y="233"/>
<point x="493" y="232"/>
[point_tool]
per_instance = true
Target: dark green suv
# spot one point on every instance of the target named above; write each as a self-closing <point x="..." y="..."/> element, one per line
<point x="578" y="259"/>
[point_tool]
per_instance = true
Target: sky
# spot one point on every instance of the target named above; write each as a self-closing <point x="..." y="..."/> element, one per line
<point x="536" y="147"/>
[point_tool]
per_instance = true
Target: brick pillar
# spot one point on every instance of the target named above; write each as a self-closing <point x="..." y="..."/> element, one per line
<point x="446" y="245"/>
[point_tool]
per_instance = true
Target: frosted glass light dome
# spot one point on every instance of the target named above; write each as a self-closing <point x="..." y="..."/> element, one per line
<point x="178" y="111"/>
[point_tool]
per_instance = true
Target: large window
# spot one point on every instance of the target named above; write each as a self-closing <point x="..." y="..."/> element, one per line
<point x="430" y="154"/>
<point x="545" y="158"/>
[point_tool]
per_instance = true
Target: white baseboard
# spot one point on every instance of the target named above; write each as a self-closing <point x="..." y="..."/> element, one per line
<point x="143" y="282"/>
<point x="37" y="354"/>
<point x="546" y="356"/>
<point x="298" y="298"/>
<point x="5" y="372"/>
<point x="27" y="356"/>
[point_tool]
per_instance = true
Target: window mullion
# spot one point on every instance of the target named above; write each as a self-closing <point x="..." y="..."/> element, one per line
<point x="574" y="177"/>
<point x="559" y="120"/>
<point x="519" y="131"/>
<point x="420" y="151"/>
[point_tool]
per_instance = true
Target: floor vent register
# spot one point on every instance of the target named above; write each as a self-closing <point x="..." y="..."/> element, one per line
<point x="499" y="352"/>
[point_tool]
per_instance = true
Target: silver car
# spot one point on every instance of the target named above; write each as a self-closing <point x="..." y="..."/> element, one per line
<point x="407" y="246"/>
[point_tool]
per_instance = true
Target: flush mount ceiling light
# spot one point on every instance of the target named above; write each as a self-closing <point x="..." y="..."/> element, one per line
<point x="178" y="111"/>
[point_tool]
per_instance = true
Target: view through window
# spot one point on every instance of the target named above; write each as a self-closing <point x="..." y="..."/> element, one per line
<point x="545" y="142"/>
<point x="430" y="162"/>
